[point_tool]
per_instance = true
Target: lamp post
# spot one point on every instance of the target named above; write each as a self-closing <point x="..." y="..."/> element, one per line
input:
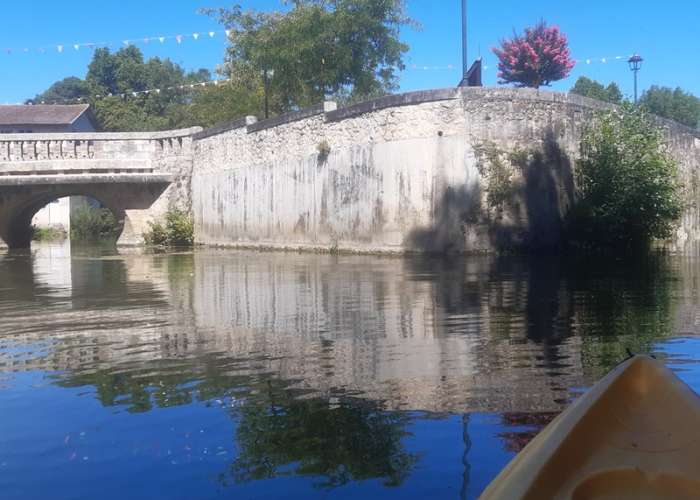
<point x="465" y="60"/>
<point x="635" y="63"/>
<point x="267" y="75"/>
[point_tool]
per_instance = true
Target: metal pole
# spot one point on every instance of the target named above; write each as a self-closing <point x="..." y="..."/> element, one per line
<point x="635" y="63"/>
<point x="465" y="60"/>
<point x="266" y="85"/>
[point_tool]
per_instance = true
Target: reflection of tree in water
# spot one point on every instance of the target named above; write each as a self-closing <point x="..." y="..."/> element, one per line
<point x="623" y="306"/>
<point x="163" y="384"/>
<point x="343" y="441"/>
<point x="532" y="423"/>
<point x="279" y="433"/>
<point x="613" y="307"/>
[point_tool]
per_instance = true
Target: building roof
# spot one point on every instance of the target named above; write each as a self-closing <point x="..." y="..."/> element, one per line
<point x="41" y="114"/>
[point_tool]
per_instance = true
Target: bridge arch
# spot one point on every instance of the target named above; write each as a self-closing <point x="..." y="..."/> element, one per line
<point x="138" y="176"/>
<point x="132" y="206"/>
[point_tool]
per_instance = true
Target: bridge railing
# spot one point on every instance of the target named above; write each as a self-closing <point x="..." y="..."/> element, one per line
<point x="130" y="148"/>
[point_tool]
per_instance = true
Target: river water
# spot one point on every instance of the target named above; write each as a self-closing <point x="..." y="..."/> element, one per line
<point x="227" y="374"/>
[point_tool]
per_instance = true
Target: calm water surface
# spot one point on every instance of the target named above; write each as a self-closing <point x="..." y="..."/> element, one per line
<point x="222" y="374"/>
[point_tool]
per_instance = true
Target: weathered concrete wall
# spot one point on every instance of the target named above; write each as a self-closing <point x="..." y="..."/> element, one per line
<point x="455" y="169"/>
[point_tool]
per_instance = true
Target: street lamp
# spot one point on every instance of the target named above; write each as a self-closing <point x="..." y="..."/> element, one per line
<point x="267" y="76"/>
<point x="465" y="60"/>
<point x="635" y="63"/>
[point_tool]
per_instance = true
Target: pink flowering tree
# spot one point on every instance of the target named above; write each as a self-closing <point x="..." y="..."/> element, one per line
<point x="536" y="58"/>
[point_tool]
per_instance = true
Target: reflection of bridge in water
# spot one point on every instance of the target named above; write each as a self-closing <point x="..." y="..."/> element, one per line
<point x="476" y="334"/>
<point x="129" y="173"/>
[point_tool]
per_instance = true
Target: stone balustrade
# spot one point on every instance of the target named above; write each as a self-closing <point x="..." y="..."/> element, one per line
<point x="69" y="147"/>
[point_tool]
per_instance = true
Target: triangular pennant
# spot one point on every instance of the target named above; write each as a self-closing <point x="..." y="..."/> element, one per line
<point x="59" y="48"/>
<point x="178" y="38"/>
<point x="161" y="38"/>
<point x="195" y="35"/>
<point x="211" y="34"/>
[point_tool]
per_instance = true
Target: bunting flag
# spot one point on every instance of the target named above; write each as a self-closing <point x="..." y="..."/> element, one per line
<point x="485" y="67"/>
<point x="137" y="93"/>
<point x="59" y="47"/>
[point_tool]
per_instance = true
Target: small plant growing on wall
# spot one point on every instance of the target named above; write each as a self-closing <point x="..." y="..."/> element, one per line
<point x="177" y="231"/>
<point x="498" y="175"/>
<point x="324" y="151"/>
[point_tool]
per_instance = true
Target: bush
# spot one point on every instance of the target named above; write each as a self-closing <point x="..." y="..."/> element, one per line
<point x="48" y="234"/>
<point x="91" y="224"/>
<point x="178" y="231"/>
<point x="627" y="181"/>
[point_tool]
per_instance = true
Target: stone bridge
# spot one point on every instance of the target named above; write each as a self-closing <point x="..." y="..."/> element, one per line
<point x="138" y="176"/>
<point x="409" y="172"/>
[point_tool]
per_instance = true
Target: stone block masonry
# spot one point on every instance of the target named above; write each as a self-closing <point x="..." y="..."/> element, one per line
<point x="452" y="170"/>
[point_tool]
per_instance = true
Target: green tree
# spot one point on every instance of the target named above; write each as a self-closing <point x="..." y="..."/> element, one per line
<point x="222" y="103"/>
<point x="595" y="90"/>
<point x="125" y="72"/>
<point x="65" y="91"/>
<point x="113" y="78"/>
<point x="677" y="105"/>
<point x="628" y="182"/>
<point x="318" y="48"/>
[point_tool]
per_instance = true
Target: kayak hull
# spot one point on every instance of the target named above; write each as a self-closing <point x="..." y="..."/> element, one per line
<point x="635" y="434"/>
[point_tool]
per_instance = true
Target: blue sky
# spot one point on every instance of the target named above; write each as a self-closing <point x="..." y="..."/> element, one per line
<point x="664" y="33"/>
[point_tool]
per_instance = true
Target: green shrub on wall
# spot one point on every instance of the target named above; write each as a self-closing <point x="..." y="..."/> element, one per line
<point x="628" y="183"/>
<point x="177" y="231"/>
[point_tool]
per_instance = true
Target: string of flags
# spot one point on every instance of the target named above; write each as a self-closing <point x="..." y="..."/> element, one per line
<point x="137" y="93"/>
<point x="452" y="67"/>
<point x="220" y="81"/>
<point x="61" y="48"/>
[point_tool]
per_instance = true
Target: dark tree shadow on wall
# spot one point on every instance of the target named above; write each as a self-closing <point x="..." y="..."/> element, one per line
<point x="528" y="216"/>
<point x="548" y="192"/>
<point x="455" y="208"/>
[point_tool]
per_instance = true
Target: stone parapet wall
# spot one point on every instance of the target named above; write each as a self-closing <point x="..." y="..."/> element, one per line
<point x="412" y="172"/>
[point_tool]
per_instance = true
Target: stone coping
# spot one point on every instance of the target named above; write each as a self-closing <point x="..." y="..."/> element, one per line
<point x="220" y="129"/>
<point x="286" y="118"/>
<point x="392" y="101"/>
<point x="59" y="179"/>
<point x="101" y="136"/>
